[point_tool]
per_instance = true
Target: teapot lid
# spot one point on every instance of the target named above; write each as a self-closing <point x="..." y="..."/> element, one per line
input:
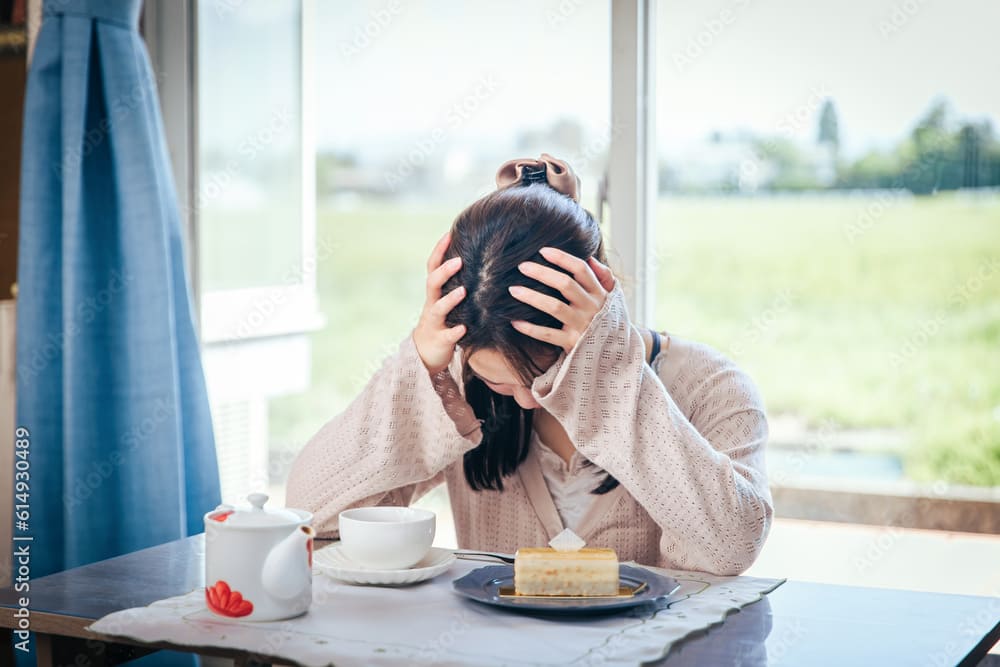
<point x="255" y="515"/>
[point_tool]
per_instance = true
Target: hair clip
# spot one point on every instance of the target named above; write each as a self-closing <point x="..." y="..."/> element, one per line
<point x="546" y="169"/>
<point x="531" y="174"/>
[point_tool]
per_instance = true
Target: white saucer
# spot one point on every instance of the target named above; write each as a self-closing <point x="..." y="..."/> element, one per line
<point x="334" y="563"/>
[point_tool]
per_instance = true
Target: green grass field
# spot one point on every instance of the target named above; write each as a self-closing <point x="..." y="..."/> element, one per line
<point x="848" y="312"/>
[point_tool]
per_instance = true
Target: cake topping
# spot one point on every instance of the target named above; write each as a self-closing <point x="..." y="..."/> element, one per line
<point x="567" y="541"/>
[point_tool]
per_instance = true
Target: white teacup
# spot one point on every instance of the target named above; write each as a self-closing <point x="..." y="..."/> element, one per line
<point x="386" y="538"/>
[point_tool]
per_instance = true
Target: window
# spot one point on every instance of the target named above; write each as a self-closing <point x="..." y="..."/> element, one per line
<point x="409" y="136"/>
<point x="301" y="299"/>
<point x="828" y="217"/>
<point x="833" y="241"/>
<point x="256" y="213"/>
<point x="250" y="144"/>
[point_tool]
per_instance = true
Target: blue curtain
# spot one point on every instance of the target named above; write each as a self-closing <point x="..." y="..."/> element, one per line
<point x="109" y="380"/>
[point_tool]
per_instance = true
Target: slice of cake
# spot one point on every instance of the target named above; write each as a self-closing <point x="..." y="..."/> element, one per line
<point x="582" y="572"/>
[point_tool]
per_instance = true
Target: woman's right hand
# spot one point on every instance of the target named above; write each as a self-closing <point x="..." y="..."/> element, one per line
<point x="434" y="341"/>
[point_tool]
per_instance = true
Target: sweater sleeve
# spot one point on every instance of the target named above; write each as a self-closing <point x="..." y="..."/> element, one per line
<point x="703" y="479"/>
<point x="391" y="444"/>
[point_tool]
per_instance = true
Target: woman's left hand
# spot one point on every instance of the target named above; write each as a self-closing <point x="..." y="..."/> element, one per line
<point x="586" y="290"/>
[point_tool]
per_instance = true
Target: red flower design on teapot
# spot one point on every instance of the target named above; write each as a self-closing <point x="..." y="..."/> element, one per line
<point x="227" y="602"/>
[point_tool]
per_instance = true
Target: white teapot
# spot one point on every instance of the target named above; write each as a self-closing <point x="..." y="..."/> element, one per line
<point x="258" y="562"/>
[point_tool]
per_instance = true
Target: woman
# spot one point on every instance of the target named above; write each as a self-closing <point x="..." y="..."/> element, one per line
<point x="527" y="390"/>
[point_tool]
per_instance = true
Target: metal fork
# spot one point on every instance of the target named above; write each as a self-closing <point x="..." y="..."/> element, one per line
<point x="466" y="554"/>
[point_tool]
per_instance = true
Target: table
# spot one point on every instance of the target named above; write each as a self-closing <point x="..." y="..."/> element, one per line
<point x="800" y="623"/>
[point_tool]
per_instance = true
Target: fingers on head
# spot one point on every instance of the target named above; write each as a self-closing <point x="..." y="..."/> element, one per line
<point x="578" y="267"/>
<point x="455" y="333"/>
<point x="544" y="334"/>
<point x="598" y="267"/>
<point x="565" y="284"/>
<point x="439" y="276"/>
<point x="543" y="302"/>
<point x="603" y="273"/>
<point x="437" y="255"/>
<point x="446" y="303"/>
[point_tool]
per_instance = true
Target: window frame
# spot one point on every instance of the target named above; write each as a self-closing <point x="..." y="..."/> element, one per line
<point x="170" y="29"/>
<point x="632" y="184"/>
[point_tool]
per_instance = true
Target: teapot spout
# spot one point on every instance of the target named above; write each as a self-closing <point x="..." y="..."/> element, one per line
<point x="287" y="569"/>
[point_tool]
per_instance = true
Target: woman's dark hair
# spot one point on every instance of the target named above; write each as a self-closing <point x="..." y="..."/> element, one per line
<point x="493" y="236"/>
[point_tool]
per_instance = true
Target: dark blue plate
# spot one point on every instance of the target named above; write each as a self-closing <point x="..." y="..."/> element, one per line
<point x="484" y="584"/>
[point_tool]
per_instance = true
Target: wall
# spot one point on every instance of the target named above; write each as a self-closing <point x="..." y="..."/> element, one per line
<point x="13" y="78"/>
<point x="7" y="426"/>
<point x="12" y="81"/>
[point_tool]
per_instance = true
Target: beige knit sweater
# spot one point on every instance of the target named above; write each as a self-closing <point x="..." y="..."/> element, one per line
<point x="684" y="435"/>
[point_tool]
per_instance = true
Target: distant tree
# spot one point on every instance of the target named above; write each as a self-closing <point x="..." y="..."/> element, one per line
<point x="936" y="117"/>
<point x="875" y="169"/>
<point x="989" y="169"/>
<point x="931" y="132"/>
<point x="829" y="126"/>
<point x="929" y="157"/>
<point x="792" y="169"/>
<point x="974" y="141"/>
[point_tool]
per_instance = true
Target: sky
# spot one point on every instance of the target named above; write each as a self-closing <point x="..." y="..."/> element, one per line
<point x="392" y="71"/>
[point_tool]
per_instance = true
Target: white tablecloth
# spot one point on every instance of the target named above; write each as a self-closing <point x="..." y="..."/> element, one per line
<point x="428" y="623"/>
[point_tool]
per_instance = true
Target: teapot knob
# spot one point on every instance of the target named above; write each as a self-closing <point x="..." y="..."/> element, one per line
<point x="258" y="500"/>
